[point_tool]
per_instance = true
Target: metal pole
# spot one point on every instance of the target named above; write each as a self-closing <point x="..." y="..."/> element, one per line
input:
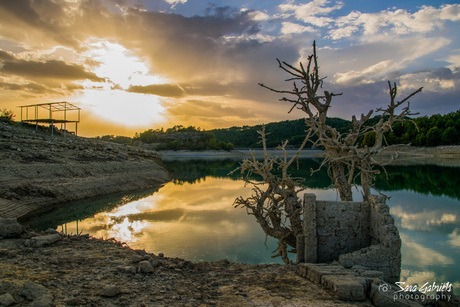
<point x="65" y="119"/>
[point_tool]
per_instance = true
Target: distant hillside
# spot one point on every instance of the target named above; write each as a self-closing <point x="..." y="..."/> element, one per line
<point x="278" y="132"/>
<point x="427" y="131"/>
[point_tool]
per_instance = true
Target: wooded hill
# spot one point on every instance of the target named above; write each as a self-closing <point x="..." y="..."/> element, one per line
<point x="421" y="131"/>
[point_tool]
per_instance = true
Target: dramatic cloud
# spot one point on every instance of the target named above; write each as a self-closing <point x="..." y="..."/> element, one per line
<point x="416" y="253"/>
<point x="312" y="12"/>
<point x="51" y="69"/>
<point x="395" y="22"/>
<point x="455" y="238"/>
<point x="165" y="90"/>
<point x="204" y="60"/>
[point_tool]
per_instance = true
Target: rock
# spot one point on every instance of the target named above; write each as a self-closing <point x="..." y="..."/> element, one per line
<point x="51" y="231"/>
<point x="145" y="267"/>
<point x="127" y="269"/>
<point x="32" y="291"/>
<point x="44" y="240"/>
<point x="122" y="155"/>
<point x="137" y="258"/>
<point x="9" y="227"/>
<point x="6" y="300"/>
<point x="147" y="257"/>
<point x="110" y="291"/>
<point x="73" y="301"/>
<point x="222" y="262"/>
<point x="42" y="301"/>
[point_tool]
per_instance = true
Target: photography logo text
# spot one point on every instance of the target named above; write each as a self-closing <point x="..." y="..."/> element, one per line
<point x="427" y="291"/>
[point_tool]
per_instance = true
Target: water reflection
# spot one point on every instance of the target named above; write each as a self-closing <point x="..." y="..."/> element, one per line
<point x="192" y="217"/>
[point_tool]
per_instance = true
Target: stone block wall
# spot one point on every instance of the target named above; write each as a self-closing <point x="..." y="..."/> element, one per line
<point x="353" y="233"/>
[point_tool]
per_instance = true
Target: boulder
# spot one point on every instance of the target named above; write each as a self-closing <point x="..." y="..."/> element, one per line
<point x="145" y="267"/>
<point x="41" y="241"/>
<point x="32" y="291"/>
<point x="6" y="300"/>
<point x="9" y="227"/>
<point x="110" y="291"/>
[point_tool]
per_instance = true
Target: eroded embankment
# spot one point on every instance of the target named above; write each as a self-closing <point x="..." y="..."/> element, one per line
<point x="39" y="171"/>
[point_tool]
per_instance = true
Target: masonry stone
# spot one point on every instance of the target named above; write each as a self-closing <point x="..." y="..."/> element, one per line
<point x="352" y="233"/>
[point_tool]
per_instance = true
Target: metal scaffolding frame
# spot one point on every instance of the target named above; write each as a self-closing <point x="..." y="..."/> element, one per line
<point x="51" y="108"/>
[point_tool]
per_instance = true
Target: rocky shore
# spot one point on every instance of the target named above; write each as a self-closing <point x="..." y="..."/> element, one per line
<point x="53" y="269"/>
<point x="39" y="171"/>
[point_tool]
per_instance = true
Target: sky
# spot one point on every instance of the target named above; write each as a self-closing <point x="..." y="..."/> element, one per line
<point x="132" y="65"/>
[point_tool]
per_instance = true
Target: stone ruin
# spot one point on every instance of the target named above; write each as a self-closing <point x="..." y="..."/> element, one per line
<point x="351" y="249"/>
<point x="352" y="233"/>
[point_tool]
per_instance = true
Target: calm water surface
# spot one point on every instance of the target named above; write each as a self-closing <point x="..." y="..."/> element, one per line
<point x="193" y="217"/>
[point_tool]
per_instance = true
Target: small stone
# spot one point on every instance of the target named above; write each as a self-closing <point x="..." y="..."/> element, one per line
<point x="42" y="301"/>
<point x="73" y="301"/>
<point x="44" y="240"/>
<point x="110" y="291"/>
<point x="127" y="269"/>
<point x="147" y="257"/>
<point x="9" y="227"/>
<point x="31" y="291"/>
<point x="137" y="258"/>
<point x="222" y="262"/>
<point x="6" y="300"/>
<point x="122" y="155"/>
<point x="145" y="267"/>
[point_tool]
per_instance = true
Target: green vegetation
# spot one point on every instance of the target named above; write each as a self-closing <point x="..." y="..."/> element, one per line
<point x="292" y="130"/>
<point x="116" y="139"/>
<point x="432" y="131"/>
<point x="7" y="114"/>
<point x="180" y="137"/>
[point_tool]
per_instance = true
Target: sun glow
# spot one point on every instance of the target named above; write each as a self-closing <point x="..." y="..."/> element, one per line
<point x="129" y="109"/>
<point x="120" y="66"/>
<point x="110" y="101"/>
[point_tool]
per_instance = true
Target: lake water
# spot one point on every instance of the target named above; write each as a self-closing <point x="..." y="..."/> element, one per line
<point x="193" y="218"/>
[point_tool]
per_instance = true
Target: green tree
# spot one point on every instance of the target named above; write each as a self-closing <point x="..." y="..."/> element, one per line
<point x="8" y="114"/>
<point x="450" y="136"/>
<point x="433" y="136"/>
<point x="368" y="140"/>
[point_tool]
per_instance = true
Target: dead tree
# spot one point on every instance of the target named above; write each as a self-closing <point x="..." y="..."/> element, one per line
<point x="345" y="159"/>
<point x="275" y="203"/>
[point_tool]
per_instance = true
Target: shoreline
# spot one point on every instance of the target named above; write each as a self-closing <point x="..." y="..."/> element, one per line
<point x="407" y="155"/>
<point x="39" y="172"/>
<point x="81" y="270"/>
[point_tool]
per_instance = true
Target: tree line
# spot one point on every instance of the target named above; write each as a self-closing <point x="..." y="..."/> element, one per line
<point x="175" y="138"/>
<point x="431" y="130"/>
<point x="423" y="131"/>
